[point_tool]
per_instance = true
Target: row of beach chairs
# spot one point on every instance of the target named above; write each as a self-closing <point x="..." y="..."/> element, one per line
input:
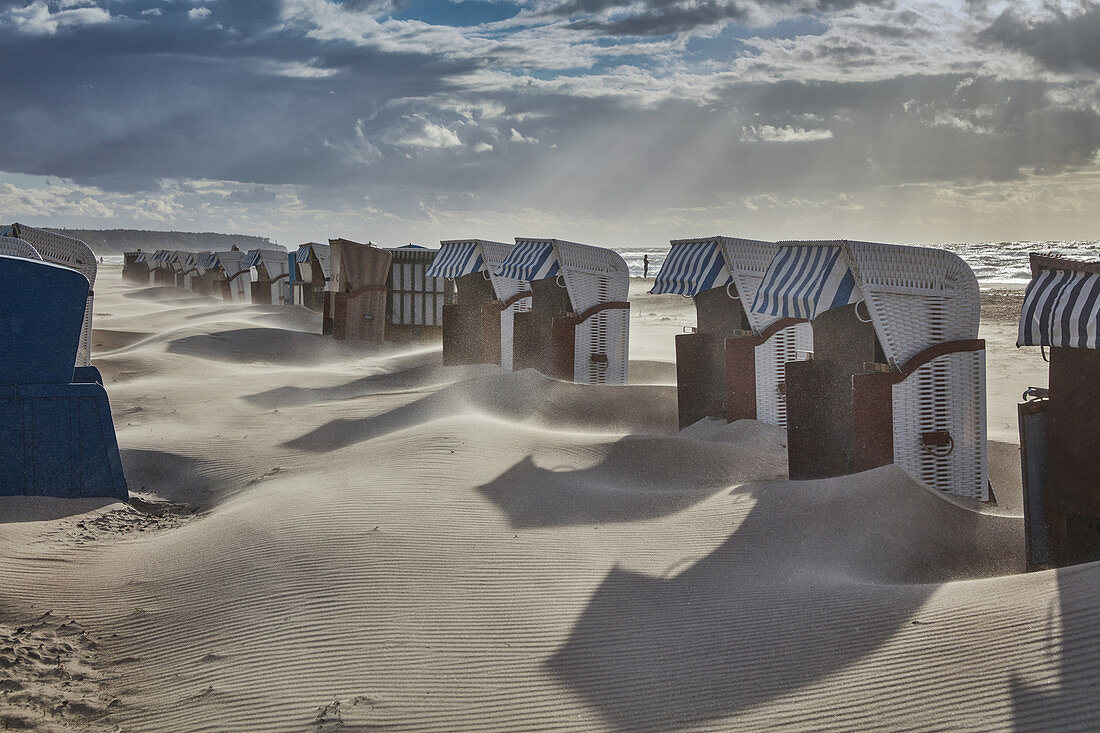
<point x="866" y="354"/>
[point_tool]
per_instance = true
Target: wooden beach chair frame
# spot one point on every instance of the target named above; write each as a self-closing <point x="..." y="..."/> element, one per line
<point x="919" y="400"/>
<point x="355" y="304"/>
<point x="732" y="366"/>
<point x="1059" y="440"/>
<point x="584" y="336"/>
<point x="478" y="325"/>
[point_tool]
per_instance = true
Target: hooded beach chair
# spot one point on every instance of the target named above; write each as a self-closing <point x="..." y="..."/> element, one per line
<point x="414" y="305"/>
<point x="269" y="273"/>
<point x="578" y="325"/>
<point x="1059" y="439"/>
<point x="135" y="268"/>
<point x="15" y="247"/>
<point x="355" y="305"/>
<point x="159" y="270"/>
<point x="310" y="273"/>
<point x="477" y="326"/>
<point x="74" y="254"/>
<point x="897" y="373"/>
<point x="732" y="366"/>
<point x="236" y="285"/>
<point x="58" y="438"/>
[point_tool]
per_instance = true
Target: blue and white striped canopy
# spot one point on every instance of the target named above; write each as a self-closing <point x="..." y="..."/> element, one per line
<point x="802" y="282"/>
<point x="530" y="260"/>
<point x="251" y="259"/>
<point x="1061" y="308"/>
<point x="206" y="260"/>
<point x="141" y="257"/>
<point x="456" y="259"/>
<point x="691" y="268"/>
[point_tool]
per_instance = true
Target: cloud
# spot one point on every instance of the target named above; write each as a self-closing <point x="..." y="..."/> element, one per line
<point x="38" y="19"/>
<point x="785" y="134"/>
<point x="199" y="13"/>
<point x="1061" y="41"/>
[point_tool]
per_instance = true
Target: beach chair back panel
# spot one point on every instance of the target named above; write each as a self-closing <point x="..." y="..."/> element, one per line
<point x="505" y="287"/>
<point x="76" y="255"/>
<point x="945" y="397"/>
<point x="787" y="345"/>
<point x="15" y="247"/>
<point x="593" y="275"/>
<point x="748" y="260"/>
<point x="916" y="296"/>
<point x="600" y="352"/>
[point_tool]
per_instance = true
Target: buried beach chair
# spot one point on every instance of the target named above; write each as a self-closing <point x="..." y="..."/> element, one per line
<point x="577" y="327"/>
<point x="477" y="326"/>
<point x="355" y="304"/>
<point x="731" y="366"/>
<point x="58" y="438"/>
<point x="1059" y="440"/>
<point x="308" y="275"/>
<point x="269" y="273"/>
<point x="74" y="254"/>
<point x="897" y="374"/>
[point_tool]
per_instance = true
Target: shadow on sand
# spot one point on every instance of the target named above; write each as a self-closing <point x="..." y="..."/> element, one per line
<point x="818" y="575"/>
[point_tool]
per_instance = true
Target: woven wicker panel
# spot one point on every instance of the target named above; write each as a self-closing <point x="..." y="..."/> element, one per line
<point x="494" y="254"/>
<point x="593" y="275"/>
<point x="748" y="260"/>
<point x="789" y="344"/>
<point x="947" y="394"/>
<point x="14" y="247"/>
<point x="76" y="255"/>
<point x="605" y="333"/>
<point x="916" y="296"/>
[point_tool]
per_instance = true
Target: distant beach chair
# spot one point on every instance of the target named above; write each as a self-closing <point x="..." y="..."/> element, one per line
<point x="732" y="365"/>
<point x="577" y="327"/>
<point x="135" y="268"/>
<point x="59" y="438"/>
<point x="897" y="373"/>
<point x="270" y="275"/>
<point x="160" y="271"/>
<point x="1059" y="435"/>
<point x="309" y="273"/>
<point x="355" y="304"/>
<point x="414" y="304"/>
<point x="67" y="252"/>
<point x="478" y="322"/>
<point x="15" y="247"/>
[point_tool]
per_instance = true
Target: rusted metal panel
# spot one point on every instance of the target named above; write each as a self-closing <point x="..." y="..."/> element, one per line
<point x="700" y="377"/>
<point x="873" y="420"/>
<point x="1033" y="470"/>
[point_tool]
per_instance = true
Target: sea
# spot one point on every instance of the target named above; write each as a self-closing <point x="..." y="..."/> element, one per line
<point x="996" y="264"/>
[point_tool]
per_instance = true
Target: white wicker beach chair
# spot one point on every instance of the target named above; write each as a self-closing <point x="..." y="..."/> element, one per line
<point x="15" y="247"/>
<point x="924" y="306"/>
<point x="461" y="257"/>
<point x="71" y="253"/>
<point x="590" y="345"/>
<point x="736" y="266"/>
<point x="269" y="271"/>
<point x="238" y="288"/>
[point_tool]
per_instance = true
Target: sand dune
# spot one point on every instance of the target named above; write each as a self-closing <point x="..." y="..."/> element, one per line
<point x="333" y="536"/>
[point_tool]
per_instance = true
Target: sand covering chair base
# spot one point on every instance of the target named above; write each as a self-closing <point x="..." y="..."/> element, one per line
<point x="56" y="434"/>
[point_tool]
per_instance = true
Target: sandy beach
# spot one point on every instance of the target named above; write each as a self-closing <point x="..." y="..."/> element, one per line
<point x="331" y="536"/>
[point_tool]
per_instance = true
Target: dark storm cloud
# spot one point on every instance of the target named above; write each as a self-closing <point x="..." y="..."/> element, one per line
<point x="1061" y="42"/>
<point x="665" y="17"/>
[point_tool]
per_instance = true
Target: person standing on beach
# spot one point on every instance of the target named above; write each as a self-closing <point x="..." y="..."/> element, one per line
<point x="645" y="265"/>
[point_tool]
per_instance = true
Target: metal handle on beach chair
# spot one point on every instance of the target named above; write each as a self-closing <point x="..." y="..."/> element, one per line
<point x="938" y="443"/>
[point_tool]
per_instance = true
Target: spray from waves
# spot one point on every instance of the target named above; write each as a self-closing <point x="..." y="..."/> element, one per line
<point x="994" y="263"/>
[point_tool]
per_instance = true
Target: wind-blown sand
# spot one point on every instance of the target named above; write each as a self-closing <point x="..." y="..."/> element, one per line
<point x="332" y="536"/>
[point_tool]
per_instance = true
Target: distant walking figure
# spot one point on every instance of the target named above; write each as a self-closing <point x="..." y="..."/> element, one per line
<point x="645" y="265"/>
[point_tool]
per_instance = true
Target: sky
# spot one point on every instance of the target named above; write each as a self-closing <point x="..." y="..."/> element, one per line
<point x="608" y="122"/>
